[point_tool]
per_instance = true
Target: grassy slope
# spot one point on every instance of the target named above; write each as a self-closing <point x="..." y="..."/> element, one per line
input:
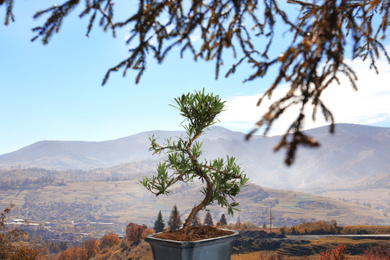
<point x="373" y="190"/>
<point x="131" y="202"/>
<point x="323" y="208"/>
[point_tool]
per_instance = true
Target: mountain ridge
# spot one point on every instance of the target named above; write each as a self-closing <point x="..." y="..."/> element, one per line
<point x="353" y="152"/>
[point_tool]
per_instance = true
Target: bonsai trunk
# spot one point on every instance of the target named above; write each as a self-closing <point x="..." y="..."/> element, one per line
<point x="209" y="195"/>
<point x="205" y="202"/>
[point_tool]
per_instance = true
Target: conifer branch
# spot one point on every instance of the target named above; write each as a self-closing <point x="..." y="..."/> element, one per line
<point x="9" y="5"/>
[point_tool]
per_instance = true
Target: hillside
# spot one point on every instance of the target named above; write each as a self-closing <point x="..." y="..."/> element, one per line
<point x="352" y="153"/>
<point x="119" y="172"/>
<point x="377" y="181"/>
<point x="125" y="201"/>
<point x="372" y="191"/>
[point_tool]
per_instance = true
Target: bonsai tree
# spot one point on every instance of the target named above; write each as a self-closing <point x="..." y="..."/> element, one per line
<point x="223" y="178"/>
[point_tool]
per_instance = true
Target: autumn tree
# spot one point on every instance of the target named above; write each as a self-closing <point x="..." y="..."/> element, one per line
<point x="147" y="231"/>
<point x="208" y="220"/>
<point x="319" y="227"/>
<point x="338" y="253"/>
<point x="10" y="246"/>
<point x="73" y="253"/>
<point x="109" y="241"/>
<point x="134" y="233"/>
<point x="92" y="247"/>
<point x="174" y="221"/>
<point x="159" y="224"/>
<point x="283" y="230"/>
<point x="309" y="60"/>
<point x="294" y="230"/>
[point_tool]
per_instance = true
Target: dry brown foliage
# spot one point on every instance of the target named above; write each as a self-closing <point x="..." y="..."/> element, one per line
<point x="10" y="246"/>
<point x="380" y="252"/>
<point x="92" y="247"/>
<point x="339" y="253"/>
<point x="73" y="253"/>
<point x="134" y="233"/>
<point x="109" y="240"/>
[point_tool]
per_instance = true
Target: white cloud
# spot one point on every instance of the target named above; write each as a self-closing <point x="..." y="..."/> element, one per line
<point x="369" y="105"/>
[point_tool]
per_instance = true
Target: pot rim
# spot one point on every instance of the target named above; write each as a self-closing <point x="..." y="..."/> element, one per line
<point x="151" y="237"/>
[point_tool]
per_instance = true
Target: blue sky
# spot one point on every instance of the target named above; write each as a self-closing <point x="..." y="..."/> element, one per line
<point x="54" y="92"/>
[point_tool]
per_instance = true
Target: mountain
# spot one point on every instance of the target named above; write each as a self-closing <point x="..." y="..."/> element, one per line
<point x="83" y="155"/>
<point x="63" y="155"/>
<point x="353" y="152"/>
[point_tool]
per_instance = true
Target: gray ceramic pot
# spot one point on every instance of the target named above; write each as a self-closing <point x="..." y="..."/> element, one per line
<point x="219" y="248"/>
